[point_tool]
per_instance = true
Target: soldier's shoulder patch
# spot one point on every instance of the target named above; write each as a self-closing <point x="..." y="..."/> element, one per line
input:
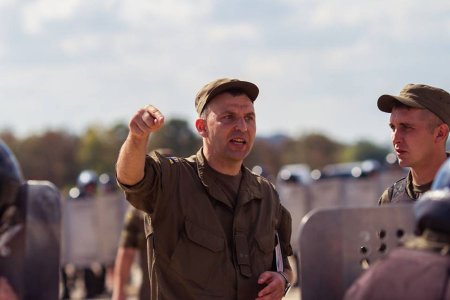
<point x="172" y="159"/>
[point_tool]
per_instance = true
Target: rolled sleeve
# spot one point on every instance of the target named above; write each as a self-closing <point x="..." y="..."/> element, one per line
<point x="143" y="194"/>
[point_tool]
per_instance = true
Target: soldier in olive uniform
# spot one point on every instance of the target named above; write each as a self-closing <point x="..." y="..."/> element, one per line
<point x="215" y="225"/>
<point x="132" y="240"/>
<point x="420" y="119"/>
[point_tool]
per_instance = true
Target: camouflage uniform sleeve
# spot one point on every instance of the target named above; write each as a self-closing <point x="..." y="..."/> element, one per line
<point x="132" y="233"/>
<point x="385" y="197"/>
<point x="159" y="173"/>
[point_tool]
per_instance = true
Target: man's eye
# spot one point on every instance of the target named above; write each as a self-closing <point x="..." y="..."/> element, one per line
<point x="227" y="118"/>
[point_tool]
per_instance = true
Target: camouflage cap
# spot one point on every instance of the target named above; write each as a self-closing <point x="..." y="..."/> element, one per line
<point x="212" y="89"/>
<point x="422" y="96"/>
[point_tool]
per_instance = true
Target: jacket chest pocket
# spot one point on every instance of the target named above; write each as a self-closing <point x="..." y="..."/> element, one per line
<point x="199" y="254"/>
<point x="263" y="253"/>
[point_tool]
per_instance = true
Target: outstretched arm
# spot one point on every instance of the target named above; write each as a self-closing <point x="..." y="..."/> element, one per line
<point x="131" y="161"/>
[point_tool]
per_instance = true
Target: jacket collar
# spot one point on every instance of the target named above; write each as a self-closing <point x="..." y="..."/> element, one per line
<point x="250" y="188"/>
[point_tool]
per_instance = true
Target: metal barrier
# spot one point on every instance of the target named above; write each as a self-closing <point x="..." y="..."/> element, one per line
<point x="300" y="199"/>
<point x="91" y="229"/>
<point x="337" y="244"/>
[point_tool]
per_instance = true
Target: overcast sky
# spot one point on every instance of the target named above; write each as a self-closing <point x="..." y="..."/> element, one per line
<point x="320" y="65"/>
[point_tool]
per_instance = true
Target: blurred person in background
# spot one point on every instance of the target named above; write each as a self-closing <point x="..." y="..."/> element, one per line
<point x="132" y="241"/>
<point x="86" y="188"/>
<point x="106" y="184"/>
<point x="420" y="119"/>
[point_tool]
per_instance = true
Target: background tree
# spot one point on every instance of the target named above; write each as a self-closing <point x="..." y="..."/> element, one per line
<point x="48" y="156"/>
<point x="59" y="156"/>
<point x="268" y="153"/>
<point x="99" y="148"/>
<point x="314" y="149"/>
<point x="177" y="136"/>
<point x="363" y="150"/>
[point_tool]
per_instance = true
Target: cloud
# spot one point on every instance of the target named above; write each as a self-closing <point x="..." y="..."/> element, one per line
<point x="227" y="32"/>
<point x="37" y="14"/>
<point x="82" y="44"/>
<point x="400" y="20"/>
<point x="304" y="54"/>
<point x="151" y="14"/>
<point x="4" y="3"/>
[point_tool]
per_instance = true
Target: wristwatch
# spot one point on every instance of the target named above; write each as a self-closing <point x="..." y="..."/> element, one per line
<point x="287" y="285"/>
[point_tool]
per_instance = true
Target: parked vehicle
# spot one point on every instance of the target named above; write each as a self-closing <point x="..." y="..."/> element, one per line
<point x="294" y="173"/>
<point x="358" y="169"/>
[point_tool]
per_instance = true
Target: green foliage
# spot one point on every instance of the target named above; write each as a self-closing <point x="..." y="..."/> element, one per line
<point x="314" y="149"/>
<point x="100" y="146"/>
<point x="177" y="136"/>
<point x="48" y="156"/>
<point x="363" y="150"/>
<point x="266" y="155"/>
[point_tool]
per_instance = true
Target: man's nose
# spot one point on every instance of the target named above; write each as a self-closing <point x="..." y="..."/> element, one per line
<point x="241" y="124"/>
<point x="395" y="136"/>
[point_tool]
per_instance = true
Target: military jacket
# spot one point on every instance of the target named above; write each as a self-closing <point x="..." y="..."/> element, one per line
<point x="204" y="247"/>
<point x="132" y="235"/>
<point x="403" y="191"/>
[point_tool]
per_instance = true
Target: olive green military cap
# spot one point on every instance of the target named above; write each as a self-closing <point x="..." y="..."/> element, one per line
<point x="422" y="96"/>
<point x="213" y="88"/>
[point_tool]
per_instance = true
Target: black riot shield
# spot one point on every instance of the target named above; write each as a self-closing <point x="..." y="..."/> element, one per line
<point x="30" y="250"/>
<point x="336" y="245"/>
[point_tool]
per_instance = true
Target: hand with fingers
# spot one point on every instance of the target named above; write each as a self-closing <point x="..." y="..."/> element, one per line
<point x="146" y="120"/>
<point x="274" y="289"/>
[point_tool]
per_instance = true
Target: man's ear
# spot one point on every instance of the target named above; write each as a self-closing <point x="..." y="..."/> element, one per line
<point x="200" y="125"/>
<point x="442" y="132"/>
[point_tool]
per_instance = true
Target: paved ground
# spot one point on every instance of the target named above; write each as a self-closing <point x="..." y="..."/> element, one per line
<point x="293" y="294"/>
